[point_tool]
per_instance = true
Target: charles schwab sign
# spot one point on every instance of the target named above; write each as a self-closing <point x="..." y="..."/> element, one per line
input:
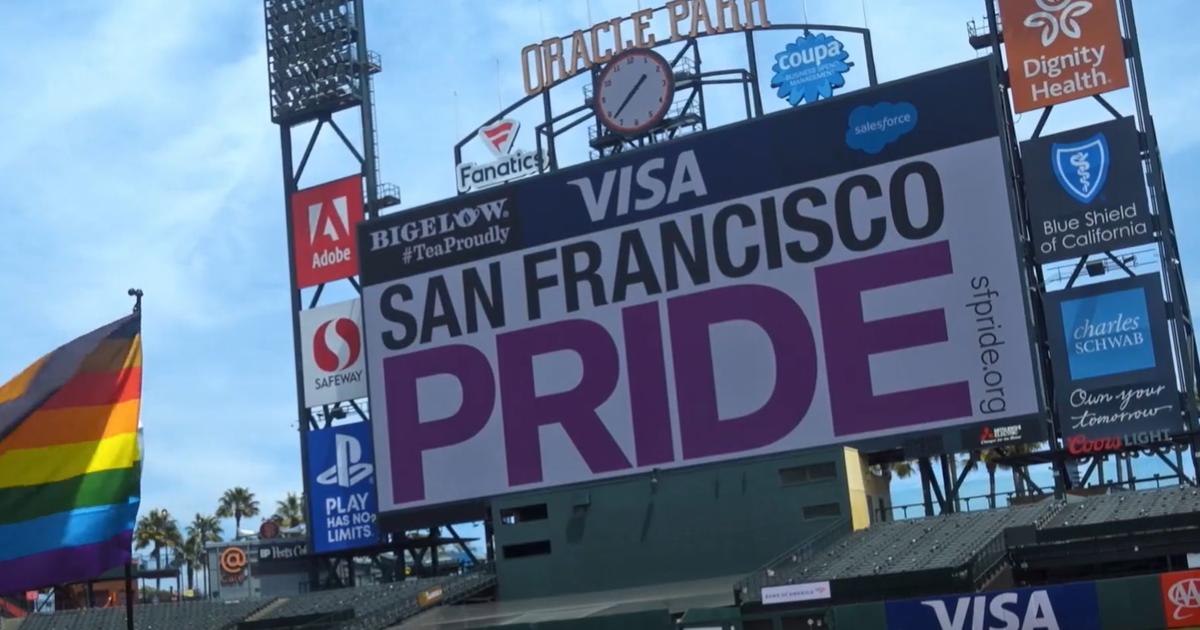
<point x="1112" y="365"/>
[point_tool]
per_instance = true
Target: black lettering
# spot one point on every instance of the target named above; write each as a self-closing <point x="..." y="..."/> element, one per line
<point x="770" y="223"/>
<point x="407" y="322"/>
<point x="933" y="197"/>
<point x="694" y="257"/>
<point x="721" y="241"/>
<point x="438" y="295"/>
<point x="845" y="222"/>
<point x="573" y="276"/>
<point x="491" y="298"/>
<point x="535" y="283"/>
<point x="631" y="243"/>
<point x="810" y="225"/>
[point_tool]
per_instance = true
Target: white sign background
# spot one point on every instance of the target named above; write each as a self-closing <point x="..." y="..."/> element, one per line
<point x="978" y="228"/>
<point x="349" y="382"/>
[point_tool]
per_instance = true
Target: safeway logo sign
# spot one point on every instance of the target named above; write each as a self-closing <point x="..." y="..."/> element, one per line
<point x="332" y="353"/>
<point x="323" y="222"/>
<point x="350" y="468"/>
<point x="337" y="344"/>
<point x="1181" y="598"/>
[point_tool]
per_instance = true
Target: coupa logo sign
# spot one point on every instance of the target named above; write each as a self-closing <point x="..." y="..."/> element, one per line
<point x="1181" y="598"/>
<point x="1081" y="167"/>
<point x="498" y="137"/>
<point x="349" y="469"/>
<point x="1067" y="607"/>
<point x="810" y="69"/>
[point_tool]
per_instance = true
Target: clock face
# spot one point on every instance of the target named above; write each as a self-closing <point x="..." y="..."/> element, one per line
<point x="634" y="91"/>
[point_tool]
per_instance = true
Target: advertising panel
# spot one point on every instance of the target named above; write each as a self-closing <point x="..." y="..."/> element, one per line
<point x="734" y="293"/>
<point x="1061" y="51"/>
<point x="1181" y="598"/>
<point x="810" y="68"/>
<point x="323" y="221"/>
<point x="1113" y="371"/>
<point x="1086" y="191"/>
<point x="343" y="503"/>
<point x="786" y="593"/>
<point x="332" y="362"/>
<point x="1065" y="607"/>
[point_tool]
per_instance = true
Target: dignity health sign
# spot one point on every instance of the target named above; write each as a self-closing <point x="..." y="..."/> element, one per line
<point x="815" y="276"/>
<point x="1114" y="375"/>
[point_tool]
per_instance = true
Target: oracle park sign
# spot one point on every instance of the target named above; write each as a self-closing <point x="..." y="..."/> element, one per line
<point x="840" y="272"/>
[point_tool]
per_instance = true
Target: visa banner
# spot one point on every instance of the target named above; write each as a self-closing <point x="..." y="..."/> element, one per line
<point x="343" y="502"/>
<point x="1061" y="607"/>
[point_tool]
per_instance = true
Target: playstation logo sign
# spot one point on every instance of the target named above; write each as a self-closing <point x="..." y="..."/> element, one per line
<point x="350" y="467"/>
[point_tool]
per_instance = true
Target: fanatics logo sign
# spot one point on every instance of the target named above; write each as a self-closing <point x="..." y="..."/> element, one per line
<point x="1061" y="50"/>
<point x="323" y="221"/>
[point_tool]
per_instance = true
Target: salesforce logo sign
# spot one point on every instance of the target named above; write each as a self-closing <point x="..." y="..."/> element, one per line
<point x="873" y="127"/>
<point x="810" y="68"/>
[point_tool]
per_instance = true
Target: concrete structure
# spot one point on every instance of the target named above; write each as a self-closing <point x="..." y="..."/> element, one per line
<point x="678" y="525"/>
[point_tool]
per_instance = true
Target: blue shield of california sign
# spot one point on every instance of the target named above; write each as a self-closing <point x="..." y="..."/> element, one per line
<point x="810" y="68"/>
<point x="1086" y="192"/>
<point x="1082" y="167"/>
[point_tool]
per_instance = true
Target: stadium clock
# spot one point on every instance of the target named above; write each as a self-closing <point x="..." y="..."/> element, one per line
<point x="634" y="91"/>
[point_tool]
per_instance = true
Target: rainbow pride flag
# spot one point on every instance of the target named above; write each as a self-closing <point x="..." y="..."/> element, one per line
<point x="70" y="462"/>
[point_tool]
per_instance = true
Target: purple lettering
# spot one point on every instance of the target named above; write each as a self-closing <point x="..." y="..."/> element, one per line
<point x="410" y="436"/>
<point x="702" y="432"/>
<point x="575" y="409"/>
<point x="850" y="341"/>
<point x="649" y="408"/>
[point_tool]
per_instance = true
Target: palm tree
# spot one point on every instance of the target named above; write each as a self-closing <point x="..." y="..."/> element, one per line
<point x="290" y="511"/>
<point x="159" y="530"/>
<point x="203" y="529"/>
<point x="237" y="502"/>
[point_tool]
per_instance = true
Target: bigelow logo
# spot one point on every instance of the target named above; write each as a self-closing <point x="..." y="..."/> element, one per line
<point x="453" y="231"/>
<point x="1057" y="18"/>
<point x="498" y="137"/>
<point x="337" y="344"/>
<point x="350" y="468"/>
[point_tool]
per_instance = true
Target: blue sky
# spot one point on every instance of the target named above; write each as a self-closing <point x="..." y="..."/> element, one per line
<point x="138" y="151"/>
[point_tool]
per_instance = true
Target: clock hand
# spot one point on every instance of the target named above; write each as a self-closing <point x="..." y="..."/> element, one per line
<point x="629" y="97"/>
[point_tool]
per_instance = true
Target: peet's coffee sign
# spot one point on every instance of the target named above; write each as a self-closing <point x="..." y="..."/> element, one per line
<point x="557" y="59"/>
<point x="1113" y="372"/>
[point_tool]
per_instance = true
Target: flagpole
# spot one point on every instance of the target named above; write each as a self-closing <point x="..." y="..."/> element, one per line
<point x="129" y="596"/>
<point x="136" y="294"/>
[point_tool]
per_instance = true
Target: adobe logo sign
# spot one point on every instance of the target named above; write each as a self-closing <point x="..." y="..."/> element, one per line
<point x="332" y="353"/>
<point x="323" y="221"/>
